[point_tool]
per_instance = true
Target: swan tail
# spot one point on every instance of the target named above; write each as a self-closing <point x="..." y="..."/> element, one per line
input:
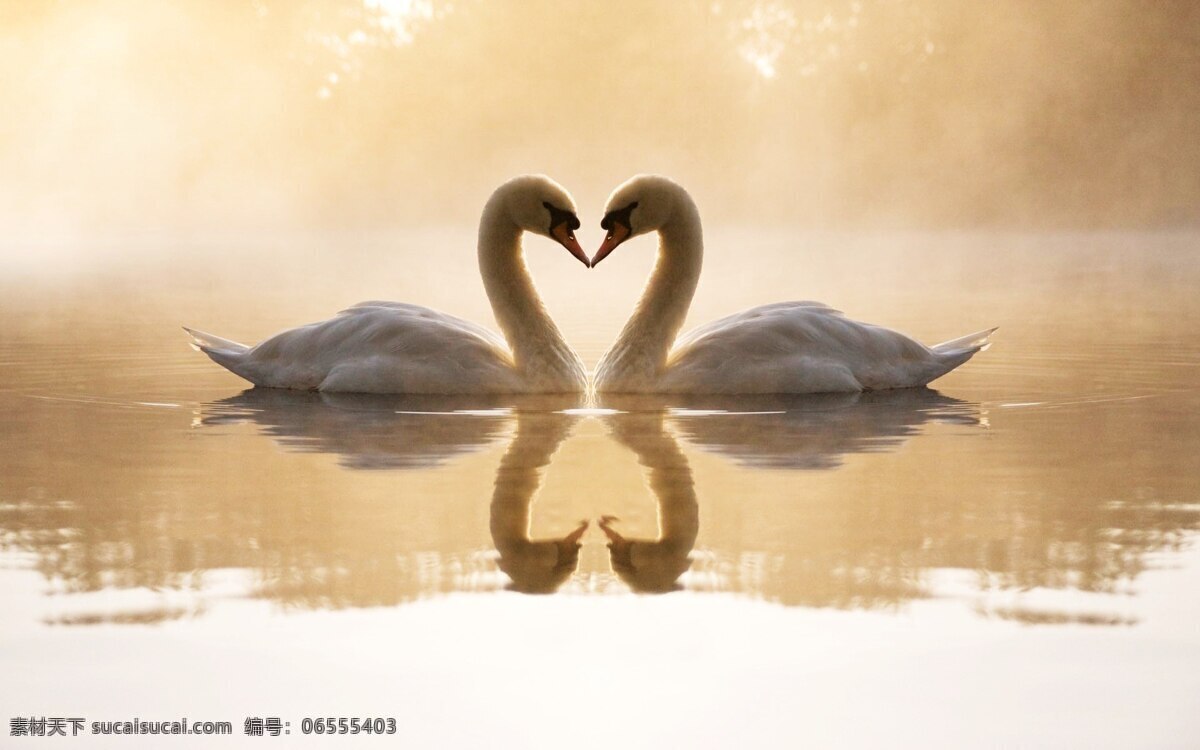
<point x="969" y="344"/>
<point x="226" y="353"/>
<point x="205" y="341"/>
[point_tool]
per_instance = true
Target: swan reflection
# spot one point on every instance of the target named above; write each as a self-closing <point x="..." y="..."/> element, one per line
<point x="807" y="431"/>
<point x="367" y="431"/>
<point x="767" y="431"/>
<point x="778" y="498"/>
<point x="535" y="566"/>
<point x="655" y="565"/>
<point x="407" y="432"/>
<point x="412" y="432"/>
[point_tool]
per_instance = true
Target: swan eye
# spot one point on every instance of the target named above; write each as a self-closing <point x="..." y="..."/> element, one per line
<point x="622" y="217"/>
<point x="559" y="216"/>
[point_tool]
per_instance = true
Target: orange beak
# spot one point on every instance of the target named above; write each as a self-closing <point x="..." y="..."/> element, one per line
<point x="616" y="236"/>
<point x="566" y="238"/>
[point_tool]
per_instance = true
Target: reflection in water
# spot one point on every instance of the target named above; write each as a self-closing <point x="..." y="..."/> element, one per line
<point x="419" y="431"/>
<point x="654" y="565"/>
<point x="301" y="534"/>
<point x="795" y="432"/>
<point x="762" y="431"/>
<point x="790" y="432"/>
<point x="535" y="566"/>
<point x="817" y="431"/>
<point x="867" y="547"/>
<point x="367" y="431"/>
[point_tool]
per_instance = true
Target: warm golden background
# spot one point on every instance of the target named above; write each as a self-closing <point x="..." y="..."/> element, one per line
<point x="253" y="114"/>
<point x="1013" y="562"/>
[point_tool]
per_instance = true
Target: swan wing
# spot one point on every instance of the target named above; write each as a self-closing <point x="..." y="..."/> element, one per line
<point x="804" y="347"/>
<point x="761" y="311"/>
<point x="377" y="347"/>
<point x="417" y="310"/>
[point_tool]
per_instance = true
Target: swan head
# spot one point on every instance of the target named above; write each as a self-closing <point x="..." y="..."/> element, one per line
<point x="538" y="204"/>
<point x="640" y="205"/>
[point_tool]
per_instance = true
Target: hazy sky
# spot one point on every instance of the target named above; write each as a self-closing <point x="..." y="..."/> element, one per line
<point x="205" y="114"/>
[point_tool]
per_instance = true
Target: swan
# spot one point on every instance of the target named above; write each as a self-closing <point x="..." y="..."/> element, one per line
<point x="393" y="347"/>
<point x="786" y="347"/>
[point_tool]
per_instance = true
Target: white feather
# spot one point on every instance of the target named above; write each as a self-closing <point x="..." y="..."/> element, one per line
<point x="785" y="347"/>
<point x="393" y="347"/>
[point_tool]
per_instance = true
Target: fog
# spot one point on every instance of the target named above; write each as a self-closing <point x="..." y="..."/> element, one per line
<point x="199" y="115"/>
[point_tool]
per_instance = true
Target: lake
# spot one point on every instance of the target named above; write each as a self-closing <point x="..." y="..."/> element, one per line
<point x="1006" y="558"/>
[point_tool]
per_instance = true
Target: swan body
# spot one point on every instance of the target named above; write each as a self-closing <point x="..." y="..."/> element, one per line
<point x="786" y="347"/>
<point x="374" y="347"/>
<point x="393" y="347"/>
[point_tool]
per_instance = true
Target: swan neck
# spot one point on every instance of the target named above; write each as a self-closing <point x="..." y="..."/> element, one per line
<point x="663" y="307"/>
<point x="527" y="327"/>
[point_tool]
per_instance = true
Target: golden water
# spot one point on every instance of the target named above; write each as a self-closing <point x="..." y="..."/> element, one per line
<point x="1007" y="559"/>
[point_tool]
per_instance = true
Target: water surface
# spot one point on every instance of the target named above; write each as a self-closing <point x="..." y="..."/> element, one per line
<point x="1007" y="557"/>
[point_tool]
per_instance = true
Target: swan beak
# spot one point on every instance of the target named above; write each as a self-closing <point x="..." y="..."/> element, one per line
<point x="619" y="234"/>
<point x="565" y="237"/>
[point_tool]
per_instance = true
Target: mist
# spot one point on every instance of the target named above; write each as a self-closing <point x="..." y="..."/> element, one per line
<point x="196" y="115"/>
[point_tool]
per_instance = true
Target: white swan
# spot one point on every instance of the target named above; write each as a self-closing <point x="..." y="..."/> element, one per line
<point x="786" y="347"/>
<point x="392" y="347"/>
